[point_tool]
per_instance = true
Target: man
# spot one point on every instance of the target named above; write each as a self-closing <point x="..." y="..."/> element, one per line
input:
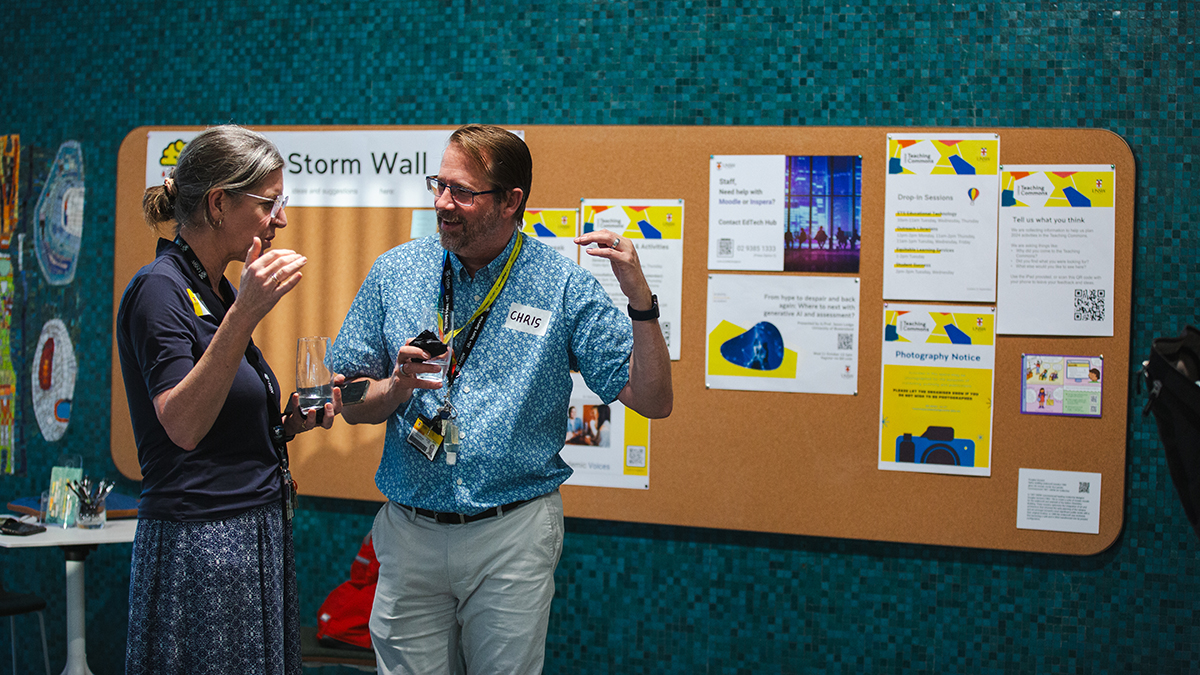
<point x="574" y="425"/>
<point x="472" y="531"/>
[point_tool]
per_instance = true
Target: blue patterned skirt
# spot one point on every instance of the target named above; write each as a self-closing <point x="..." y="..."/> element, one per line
<point x="214" y="597"/>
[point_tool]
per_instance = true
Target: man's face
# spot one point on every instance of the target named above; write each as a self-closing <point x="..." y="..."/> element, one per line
<point x="475" y="233"/>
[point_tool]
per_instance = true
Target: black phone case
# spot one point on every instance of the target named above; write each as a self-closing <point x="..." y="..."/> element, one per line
<point x="430" y="343"/>
<point x="354" y="392"/>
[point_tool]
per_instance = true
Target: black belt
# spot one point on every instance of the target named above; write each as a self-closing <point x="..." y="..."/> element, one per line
<point x="460" y="519"/>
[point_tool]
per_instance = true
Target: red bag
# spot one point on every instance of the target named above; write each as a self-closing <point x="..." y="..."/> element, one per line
<point x="342" y="618"/>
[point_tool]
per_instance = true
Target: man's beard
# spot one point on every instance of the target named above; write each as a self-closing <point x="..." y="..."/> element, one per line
<point x="470" y="233"/>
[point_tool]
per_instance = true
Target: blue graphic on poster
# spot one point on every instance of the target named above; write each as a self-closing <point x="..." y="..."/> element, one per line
<point x="760" y="348"/>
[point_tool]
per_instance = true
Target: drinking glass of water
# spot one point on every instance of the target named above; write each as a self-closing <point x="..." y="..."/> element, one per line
<point x="433" y="324"/>
<point x="314" y="382"/>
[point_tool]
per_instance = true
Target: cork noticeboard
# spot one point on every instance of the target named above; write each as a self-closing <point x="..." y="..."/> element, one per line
<point x="788" y="463"/>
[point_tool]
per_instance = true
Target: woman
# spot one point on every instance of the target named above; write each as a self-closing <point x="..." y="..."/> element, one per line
<point x="603" y="414"/>
<point x="213" y="583"/>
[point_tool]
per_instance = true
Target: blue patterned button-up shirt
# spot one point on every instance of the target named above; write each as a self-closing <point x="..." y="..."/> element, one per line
<point x="511" y="396"/>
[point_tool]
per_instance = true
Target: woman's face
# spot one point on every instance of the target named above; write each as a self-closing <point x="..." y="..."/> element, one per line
<point x="250" y="216"/>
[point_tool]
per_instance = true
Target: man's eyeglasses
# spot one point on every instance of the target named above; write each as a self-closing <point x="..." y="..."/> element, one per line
<point x="461" y="195"/>
<point x="279" y="202"/>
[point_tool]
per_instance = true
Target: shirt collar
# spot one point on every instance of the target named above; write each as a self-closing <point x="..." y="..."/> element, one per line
<point x="169" y="248"/>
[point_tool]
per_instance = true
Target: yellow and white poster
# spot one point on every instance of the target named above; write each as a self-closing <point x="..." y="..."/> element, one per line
<point x="936" y="393"/>
<point x="941" y="199"/>
<point x="655" y="226"/>
<point x="555" y="228"/>
<point x="1057" y="250"/>
<point x="608" y="445"/>
<point x="782" y="333"/>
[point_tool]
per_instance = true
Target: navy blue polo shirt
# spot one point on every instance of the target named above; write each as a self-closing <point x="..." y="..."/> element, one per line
<point x="166" y="320"/>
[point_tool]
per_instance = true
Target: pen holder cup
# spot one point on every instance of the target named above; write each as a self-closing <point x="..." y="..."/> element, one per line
<point x="92" y="516"/>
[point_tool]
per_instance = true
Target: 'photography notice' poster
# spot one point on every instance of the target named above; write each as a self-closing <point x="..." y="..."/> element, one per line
<point x="936" y="408"/>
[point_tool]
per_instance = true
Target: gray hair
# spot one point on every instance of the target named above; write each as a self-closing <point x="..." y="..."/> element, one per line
<point x="226" y="157"/>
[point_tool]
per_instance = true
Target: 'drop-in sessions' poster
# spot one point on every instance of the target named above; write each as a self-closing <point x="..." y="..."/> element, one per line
<point x="655" y="226"/>
<point x="936" y="407"/>
<point x="782" y="333"/>
<point x="940" y="217"/>
<point x="1057" y="250"/>
<point x="784" y="213"/>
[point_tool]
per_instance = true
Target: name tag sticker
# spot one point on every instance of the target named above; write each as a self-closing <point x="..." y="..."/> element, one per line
<point x="527" y="319"/>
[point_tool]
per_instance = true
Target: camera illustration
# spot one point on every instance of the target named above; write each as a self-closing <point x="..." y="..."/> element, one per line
<point x="936" y="446"/>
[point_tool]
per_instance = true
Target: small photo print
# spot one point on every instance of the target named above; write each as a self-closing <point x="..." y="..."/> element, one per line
<point x="589" y="425"/>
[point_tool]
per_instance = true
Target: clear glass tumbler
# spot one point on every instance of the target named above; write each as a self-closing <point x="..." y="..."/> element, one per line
<point x="314" y="382"/>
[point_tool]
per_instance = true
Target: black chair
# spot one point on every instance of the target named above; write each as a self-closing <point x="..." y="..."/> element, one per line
<point x="12" y="604"/>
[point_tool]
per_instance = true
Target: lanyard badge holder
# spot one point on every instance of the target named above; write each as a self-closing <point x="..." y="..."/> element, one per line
<point x="427" y="435"/>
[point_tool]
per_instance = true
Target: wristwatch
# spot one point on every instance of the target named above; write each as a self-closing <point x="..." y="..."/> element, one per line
<point x="645" y="314"/>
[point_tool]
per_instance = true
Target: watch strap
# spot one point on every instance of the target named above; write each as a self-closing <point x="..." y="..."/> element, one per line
<point x="645" y="314"/>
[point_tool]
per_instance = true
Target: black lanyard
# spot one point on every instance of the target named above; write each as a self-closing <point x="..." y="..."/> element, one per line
<point x="446" y="305"/>
<point x="253" y="357"/>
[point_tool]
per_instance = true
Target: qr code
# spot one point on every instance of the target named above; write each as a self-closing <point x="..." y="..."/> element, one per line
<point x="1085" y="488"/>
<point x="724" y="248"/>
<point x="845" y="341"/>
<point x="635" y="455"/>
<point x="1089" y="304"/>
<point x="666" y="331"/>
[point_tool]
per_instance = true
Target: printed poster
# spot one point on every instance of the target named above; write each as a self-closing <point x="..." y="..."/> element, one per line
<point x="1057" y="250"/>
<point x="941" y="200"/>
<point x="64" y="503"/>
<point x="1061" y="385"/>
<point x="556" y="228"/>
<point x="608" y="445"/>
<point x="782" y="333"/>
<point x="936" y="407"/>
<point x="370" y="168"/>
<point x="423" y="224"/>
<point x="655" y="226"/>
<point x="784" y="213"/>
<point x="1058" y="501"/>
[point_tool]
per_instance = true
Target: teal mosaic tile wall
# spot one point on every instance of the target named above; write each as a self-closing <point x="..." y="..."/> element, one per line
<point x="634" y="598"/>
